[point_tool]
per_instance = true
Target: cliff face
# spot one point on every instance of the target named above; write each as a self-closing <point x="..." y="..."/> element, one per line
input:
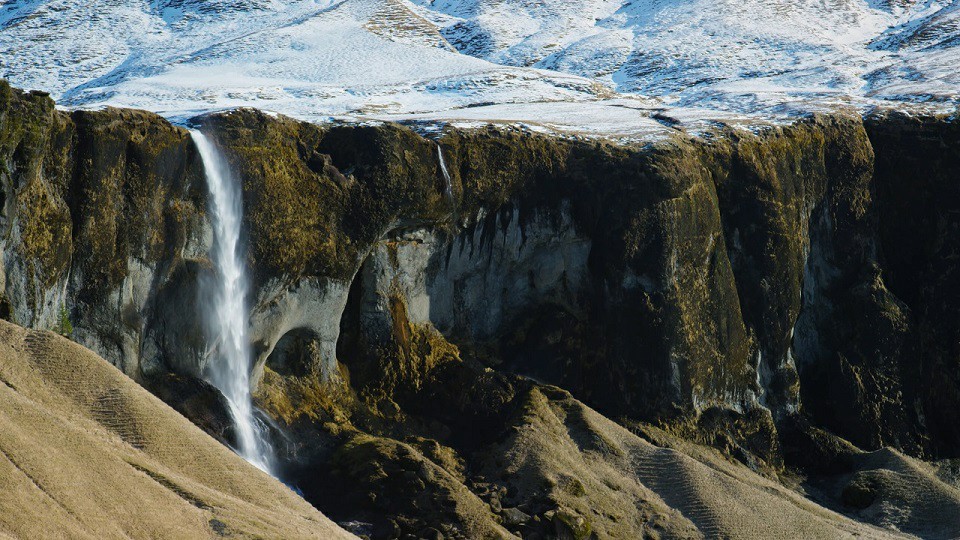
<point x="535" y="236"/>
<point x="918" y="209"/>
<point x="413" y="299"/>
<point x="101" y="211"/>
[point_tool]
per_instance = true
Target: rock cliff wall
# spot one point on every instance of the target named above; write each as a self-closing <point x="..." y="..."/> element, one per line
<point x="727" y="288"/>
<point x="103" y="212"/>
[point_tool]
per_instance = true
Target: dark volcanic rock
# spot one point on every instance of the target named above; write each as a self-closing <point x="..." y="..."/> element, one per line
<point x="918" y="199"/>
<point x="770" y="295"/>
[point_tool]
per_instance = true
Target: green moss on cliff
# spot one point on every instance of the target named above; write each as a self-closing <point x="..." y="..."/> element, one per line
<point x="34" y="152"/>
<point x="46" y="231"/>
<point x="137" y="193"/>
<point x="492" y="166"/>
<point x="773" y="189"/>
<point x="316" y="199"/>
<point x="294" y="399"/>
<point x="292" y="211"/>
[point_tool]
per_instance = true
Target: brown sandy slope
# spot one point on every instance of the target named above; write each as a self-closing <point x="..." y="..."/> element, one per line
<point x="87" y="453"/>
<point x="620" y="484"/>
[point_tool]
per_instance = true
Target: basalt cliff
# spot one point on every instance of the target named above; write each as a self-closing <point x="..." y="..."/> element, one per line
<point x="491" y="333"/>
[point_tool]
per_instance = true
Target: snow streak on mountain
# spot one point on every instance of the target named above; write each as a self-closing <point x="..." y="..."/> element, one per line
<point x="566" y="62"/>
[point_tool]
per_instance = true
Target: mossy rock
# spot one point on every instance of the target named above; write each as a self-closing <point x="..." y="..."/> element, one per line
<point x="35" y="141"/>
<point x="570" y="526"/>
<point x="860" y="493"/>
<point x="416" y="493"/>
<point x="138" y="193"/>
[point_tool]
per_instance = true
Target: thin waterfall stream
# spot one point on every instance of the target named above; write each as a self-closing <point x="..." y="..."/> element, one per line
<point x="229" y="368"/>
<point x="447" y="185"/>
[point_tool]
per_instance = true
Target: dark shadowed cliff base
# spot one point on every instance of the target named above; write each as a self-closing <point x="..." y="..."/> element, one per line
<point x="747" y="334"/>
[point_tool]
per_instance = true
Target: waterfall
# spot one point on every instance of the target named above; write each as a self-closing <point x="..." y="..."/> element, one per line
<point x="229" y="367"/>
<point x="448" y="185"/>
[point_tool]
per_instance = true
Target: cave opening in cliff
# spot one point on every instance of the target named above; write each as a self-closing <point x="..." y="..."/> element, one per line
<point x="296" y="353"/>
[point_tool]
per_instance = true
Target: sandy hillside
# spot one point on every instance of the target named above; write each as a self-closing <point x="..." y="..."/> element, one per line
<point x="625" y="484"/>
<point x="87" y="453"/>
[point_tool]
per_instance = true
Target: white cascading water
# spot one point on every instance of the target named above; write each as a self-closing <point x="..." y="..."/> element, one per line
<point x="448" y="185"/>
<point x="229" y="367"/>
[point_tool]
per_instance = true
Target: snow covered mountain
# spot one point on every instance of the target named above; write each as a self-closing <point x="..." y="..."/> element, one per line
<point x="727" y="53"/>
<point x="567" y="63"/>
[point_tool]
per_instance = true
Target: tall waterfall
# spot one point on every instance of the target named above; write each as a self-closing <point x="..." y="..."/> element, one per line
<point x="229" y="369"/>
<point x="448" y="185"/>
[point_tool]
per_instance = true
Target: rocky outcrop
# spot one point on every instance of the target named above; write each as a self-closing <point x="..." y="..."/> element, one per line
<point x="417" y="303"/>
<point x="103" y="215"/>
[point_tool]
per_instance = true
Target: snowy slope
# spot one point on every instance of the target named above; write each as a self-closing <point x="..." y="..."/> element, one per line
<point x="561" y="63"/>
<point x="732" y="54"/>
<point x="308" y="58"/>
